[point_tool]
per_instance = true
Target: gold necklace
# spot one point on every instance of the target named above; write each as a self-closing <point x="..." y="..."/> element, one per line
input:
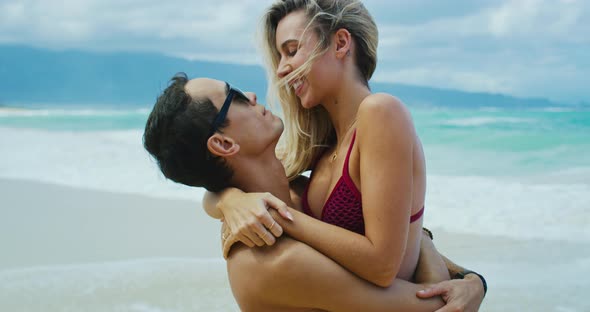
<point x="335" y="155"/>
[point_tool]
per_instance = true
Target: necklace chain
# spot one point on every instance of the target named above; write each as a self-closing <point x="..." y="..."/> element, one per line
<point x="335" y="155"/>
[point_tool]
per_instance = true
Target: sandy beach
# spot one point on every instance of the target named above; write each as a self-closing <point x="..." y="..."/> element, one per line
<point x="70" y="249"/>
<point x="47" y="224"/>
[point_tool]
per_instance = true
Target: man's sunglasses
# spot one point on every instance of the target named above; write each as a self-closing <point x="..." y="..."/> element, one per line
<point x="231" y="94"/>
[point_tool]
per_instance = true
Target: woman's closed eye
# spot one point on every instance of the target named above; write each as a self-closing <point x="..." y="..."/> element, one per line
<point x="291" y="52"/>
<point x="291" y="48"/>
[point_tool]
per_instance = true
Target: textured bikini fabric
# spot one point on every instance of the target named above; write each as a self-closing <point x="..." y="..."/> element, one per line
<point x="344" y="205"/>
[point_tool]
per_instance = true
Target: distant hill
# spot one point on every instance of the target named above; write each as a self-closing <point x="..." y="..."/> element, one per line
<point x="43" y="77"/>
<point x="36" y="77"/>
<point x="424" y="96"/>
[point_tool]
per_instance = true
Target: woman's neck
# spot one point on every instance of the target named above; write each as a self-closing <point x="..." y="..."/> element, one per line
<point x="343" y="107"/>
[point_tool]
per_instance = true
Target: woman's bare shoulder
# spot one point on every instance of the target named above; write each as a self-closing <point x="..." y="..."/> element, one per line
<point x="384" y="109"/>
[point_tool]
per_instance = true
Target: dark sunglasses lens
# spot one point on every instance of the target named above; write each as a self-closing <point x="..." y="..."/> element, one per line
<point x="239" y="95"/>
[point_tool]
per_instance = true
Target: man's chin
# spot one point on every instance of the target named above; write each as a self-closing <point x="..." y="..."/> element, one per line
<point x="282" y="127"/>
<point x="279" y="132"/>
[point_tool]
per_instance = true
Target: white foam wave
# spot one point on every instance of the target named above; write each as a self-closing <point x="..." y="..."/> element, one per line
<point x="491" y="109"/>
<point x="112" y="161"/>
<point x="116" y="161"/>
<point x="510" y="208"/>
<point x="558" y="109"/>
<point x="481" y="121"/>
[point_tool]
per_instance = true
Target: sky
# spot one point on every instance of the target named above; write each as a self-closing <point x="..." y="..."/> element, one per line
<point x="525" y="48"/>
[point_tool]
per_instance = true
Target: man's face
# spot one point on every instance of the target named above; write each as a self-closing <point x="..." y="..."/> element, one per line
<point x="250" y="125"/>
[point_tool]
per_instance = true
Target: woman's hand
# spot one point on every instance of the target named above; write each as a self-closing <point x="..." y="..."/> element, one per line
<point x="463" y="295"/>
<point x="248" y="219"/>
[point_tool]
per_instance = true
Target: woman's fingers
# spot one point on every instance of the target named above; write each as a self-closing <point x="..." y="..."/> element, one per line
<point x="265" y="235"/>
<point x="245" y="233"/>
<point x="271" y="225"/>
<point x="279" y="205"/>
<point x="267" y="229"/>
<point x="245" y="240"/>
<point x="275" y="229"/>
<point x="262" y="231"/>
<point x="250" y="221"/>
<point x="254" y="237"/>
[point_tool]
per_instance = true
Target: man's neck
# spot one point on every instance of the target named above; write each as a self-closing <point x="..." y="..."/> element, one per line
<point x="262" y="174"/>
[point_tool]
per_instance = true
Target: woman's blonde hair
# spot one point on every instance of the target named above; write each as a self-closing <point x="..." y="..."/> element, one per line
<point x="308" y="130"/>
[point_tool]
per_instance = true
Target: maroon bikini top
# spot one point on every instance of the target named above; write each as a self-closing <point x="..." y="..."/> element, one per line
<point x="344" y="205"/>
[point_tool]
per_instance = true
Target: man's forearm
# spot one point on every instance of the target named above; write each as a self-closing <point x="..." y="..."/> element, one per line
<point x="452" y="266"/>
<point x="431" y="266"/>
<point x="427" y="268"/>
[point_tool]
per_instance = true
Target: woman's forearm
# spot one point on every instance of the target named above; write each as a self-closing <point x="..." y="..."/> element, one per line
<point x="351" y="250"/>
<point x="211" y="201"/>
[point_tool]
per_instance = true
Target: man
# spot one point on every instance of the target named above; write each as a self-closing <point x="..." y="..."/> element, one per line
<point x="199" y="141"/>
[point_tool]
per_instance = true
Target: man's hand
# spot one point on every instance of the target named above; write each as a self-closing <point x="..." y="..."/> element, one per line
<point x="461" y="295"/>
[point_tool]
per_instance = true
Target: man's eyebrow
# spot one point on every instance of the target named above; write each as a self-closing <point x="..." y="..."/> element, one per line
<point x="287" y="42"/>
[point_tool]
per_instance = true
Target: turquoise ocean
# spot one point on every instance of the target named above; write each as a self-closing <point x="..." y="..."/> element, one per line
<point x="521" y="174"/>
<point x="491" y="170"/>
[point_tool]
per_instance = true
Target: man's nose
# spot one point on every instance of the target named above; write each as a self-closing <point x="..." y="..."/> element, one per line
<point x="252" y="97"/>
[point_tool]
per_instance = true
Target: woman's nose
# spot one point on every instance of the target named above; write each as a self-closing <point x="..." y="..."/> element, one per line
<point x="283" y="70"/>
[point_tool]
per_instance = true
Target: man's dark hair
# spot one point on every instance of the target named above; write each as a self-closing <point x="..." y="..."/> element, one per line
<point x="176" y="135"/>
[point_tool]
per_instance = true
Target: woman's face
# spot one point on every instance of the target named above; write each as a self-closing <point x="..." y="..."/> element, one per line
<point x="294" y="51"/>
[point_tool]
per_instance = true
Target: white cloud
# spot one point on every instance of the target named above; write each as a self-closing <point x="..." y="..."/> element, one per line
<point x="521" y="19"/>
<point x="234" y="58"/>
<point x="518" y="47"/>
<point x="173" y="27"/>
<point x="556" y="19"/>
<point x="512" y="46"/>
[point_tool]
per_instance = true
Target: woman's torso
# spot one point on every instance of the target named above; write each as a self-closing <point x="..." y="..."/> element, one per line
<point x="330" y="192"/>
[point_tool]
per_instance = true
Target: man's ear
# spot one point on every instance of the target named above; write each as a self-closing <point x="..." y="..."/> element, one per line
<point x="343" y="42"/>
<point x="222" y="146"/>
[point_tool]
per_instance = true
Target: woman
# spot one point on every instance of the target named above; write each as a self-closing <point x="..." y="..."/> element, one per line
<point x="356" y="142"/>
